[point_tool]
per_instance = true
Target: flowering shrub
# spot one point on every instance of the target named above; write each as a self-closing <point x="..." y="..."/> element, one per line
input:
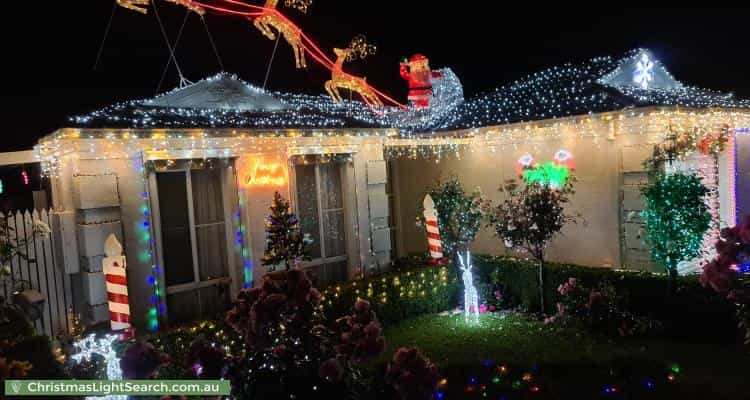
<point x="412" y="375"/>
<point x="287" y="341"/>
<point x="206" y="360"/>
<point x="142" y="361"/>
<point x="727" y="273"/>
<point x="601" y="308"/>
<point x="13" y="369"/>
<point x="360" y="334"/>
<point x="530" y="217"/>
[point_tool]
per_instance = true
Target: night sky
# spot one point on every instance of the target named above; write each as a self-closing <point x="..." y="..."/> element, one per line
<point x="50" y="48"/>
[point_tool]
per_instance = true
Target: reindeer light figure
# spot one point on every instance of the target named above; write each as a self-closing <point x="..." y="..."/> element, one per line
<point x="140" y="5"/>
<point x="471" y="299"/>
<point x="190" y="5"/>
<point x="271" y="18"/>
<point x="135" y="5"/>
<point x="342" y="80"/>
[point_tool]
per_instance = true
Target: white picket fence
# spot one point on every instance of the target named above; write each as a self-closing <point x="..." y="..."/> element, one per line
<point x="37" y="266"/>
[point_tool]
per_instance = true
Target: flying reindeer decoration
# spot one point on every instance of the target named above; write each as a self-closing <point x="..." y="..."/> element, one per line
<point x="358" y="49"/>
<point x="135" y="5"/>
<point x="274" y="25"/>
<point x="272" y="18"/>
<point x="140" y="5"/>
<point x="471" y="299"/>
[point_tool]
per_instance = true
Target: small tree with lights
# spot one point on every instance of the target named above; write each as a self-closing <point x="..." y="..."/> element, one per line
<point x="286" y="246"/>
<point x="460" y="215"/>
<point x="676" y="218"/>
<point x="530" y="216"/>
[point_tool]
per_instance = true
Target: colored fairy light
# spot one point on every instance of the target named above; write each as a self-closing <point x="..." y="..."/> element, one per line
<point x="247" y="262"/>
<point x="25" y="177"/>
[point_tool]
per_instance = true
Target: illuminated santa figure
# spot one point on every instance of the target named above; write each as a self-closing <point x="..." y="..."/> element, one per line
<point x="417" y="71"/>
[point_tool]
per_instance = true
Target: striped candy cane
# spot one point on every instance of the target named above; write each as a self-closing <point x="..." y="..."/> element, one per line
<point x="433" y="232"/>
<point x="116" y="279"/>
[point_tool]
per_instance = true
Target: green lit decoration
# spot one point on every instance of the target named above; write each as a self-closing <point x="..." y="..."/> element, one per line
<point x="676" y="218"/>
<point x="548" y="174"/>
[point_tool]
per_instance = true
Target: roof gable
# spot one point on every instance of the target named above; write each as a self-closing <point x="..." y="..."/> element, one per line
<point x="223" y="92"/>
<point x="641" y="71"/>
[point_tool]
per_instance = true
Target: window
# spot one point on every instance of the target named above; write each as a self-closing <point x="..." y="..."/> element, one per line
<point x="192" y="238"/>
<point x="320" y="207"/>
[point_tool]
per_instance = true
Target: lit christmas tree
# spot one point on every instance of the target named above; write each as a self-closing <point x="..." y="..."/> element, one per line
<point x="676" y="218"/>
<point x="286" y="246"/>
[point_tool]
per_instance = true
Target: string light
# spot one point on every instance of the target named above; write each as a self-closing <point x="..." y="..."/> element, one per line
<point x="451" y="127"/>
<point x="103" y="346"/>
<point x="146" y="257"/>
<point x="25" y="178"/>
<point x="404" y="286"/>
<point x="240" y="234"/>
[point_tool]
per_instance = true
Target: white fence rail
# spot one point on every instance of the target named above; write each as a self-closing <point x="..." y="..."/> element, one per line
<point x="36" y="266"/>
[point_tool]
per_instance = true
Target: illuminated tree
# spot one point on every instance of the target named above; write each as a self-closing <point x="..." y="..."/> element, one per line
<point x="676" y="218"/>
<point x="460" y="215"/>
<point x="285" y="245"/>
<point x="530" y="217"/>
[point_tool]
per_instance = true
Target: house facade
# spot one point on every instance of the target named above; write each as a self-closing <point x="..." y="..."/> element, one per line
<point x="185" y="180"/>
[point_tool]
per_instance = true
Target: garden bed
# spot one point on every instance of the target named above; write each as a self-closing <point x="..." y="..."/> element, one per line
<point x="561" y="363"/>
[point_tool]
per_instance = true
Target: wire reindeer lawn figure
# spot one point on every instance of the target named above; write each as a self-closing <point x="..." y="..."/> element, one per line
<point x="471" y="299"/>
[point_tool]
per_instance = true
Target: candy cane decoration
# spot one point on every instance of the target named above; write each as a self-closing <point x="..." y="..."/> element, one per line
<point x="116" y="279"/>
<point x="433" y="232"/>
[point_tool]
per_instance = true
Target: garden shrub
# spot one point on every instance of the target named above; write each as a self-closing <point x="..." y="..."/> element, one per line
<point x="693" y="311"/>
<point x="396" y="296"/>
<point x="19" y="343"/>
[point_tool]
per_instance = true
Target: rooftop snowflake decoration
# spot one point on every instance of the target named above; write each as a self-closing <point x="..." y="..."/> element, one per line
<point x="644" y="72"/>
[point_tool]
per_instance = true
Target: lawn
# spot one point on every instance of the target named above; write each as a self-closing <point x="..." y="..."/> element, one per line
<point x="513" y="356"/>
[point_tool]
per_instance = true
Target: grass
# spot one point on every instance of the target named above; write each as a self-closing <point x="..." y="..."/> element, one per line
<point x="567" y="363"/>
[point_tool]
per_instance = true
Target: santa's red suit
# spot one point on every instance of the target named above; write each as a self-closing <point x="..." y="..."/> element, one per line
<point x="417" y="72"/>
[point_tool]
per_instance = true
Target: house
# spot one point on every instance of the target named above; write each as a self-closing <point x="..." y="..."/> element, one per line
<point x="185" y="179"/>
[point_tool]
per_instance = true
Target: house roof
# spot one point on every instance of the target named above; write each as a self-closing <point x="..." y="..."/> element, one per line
<point x="600" y="84"/>
<point x="221" y="92"/>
